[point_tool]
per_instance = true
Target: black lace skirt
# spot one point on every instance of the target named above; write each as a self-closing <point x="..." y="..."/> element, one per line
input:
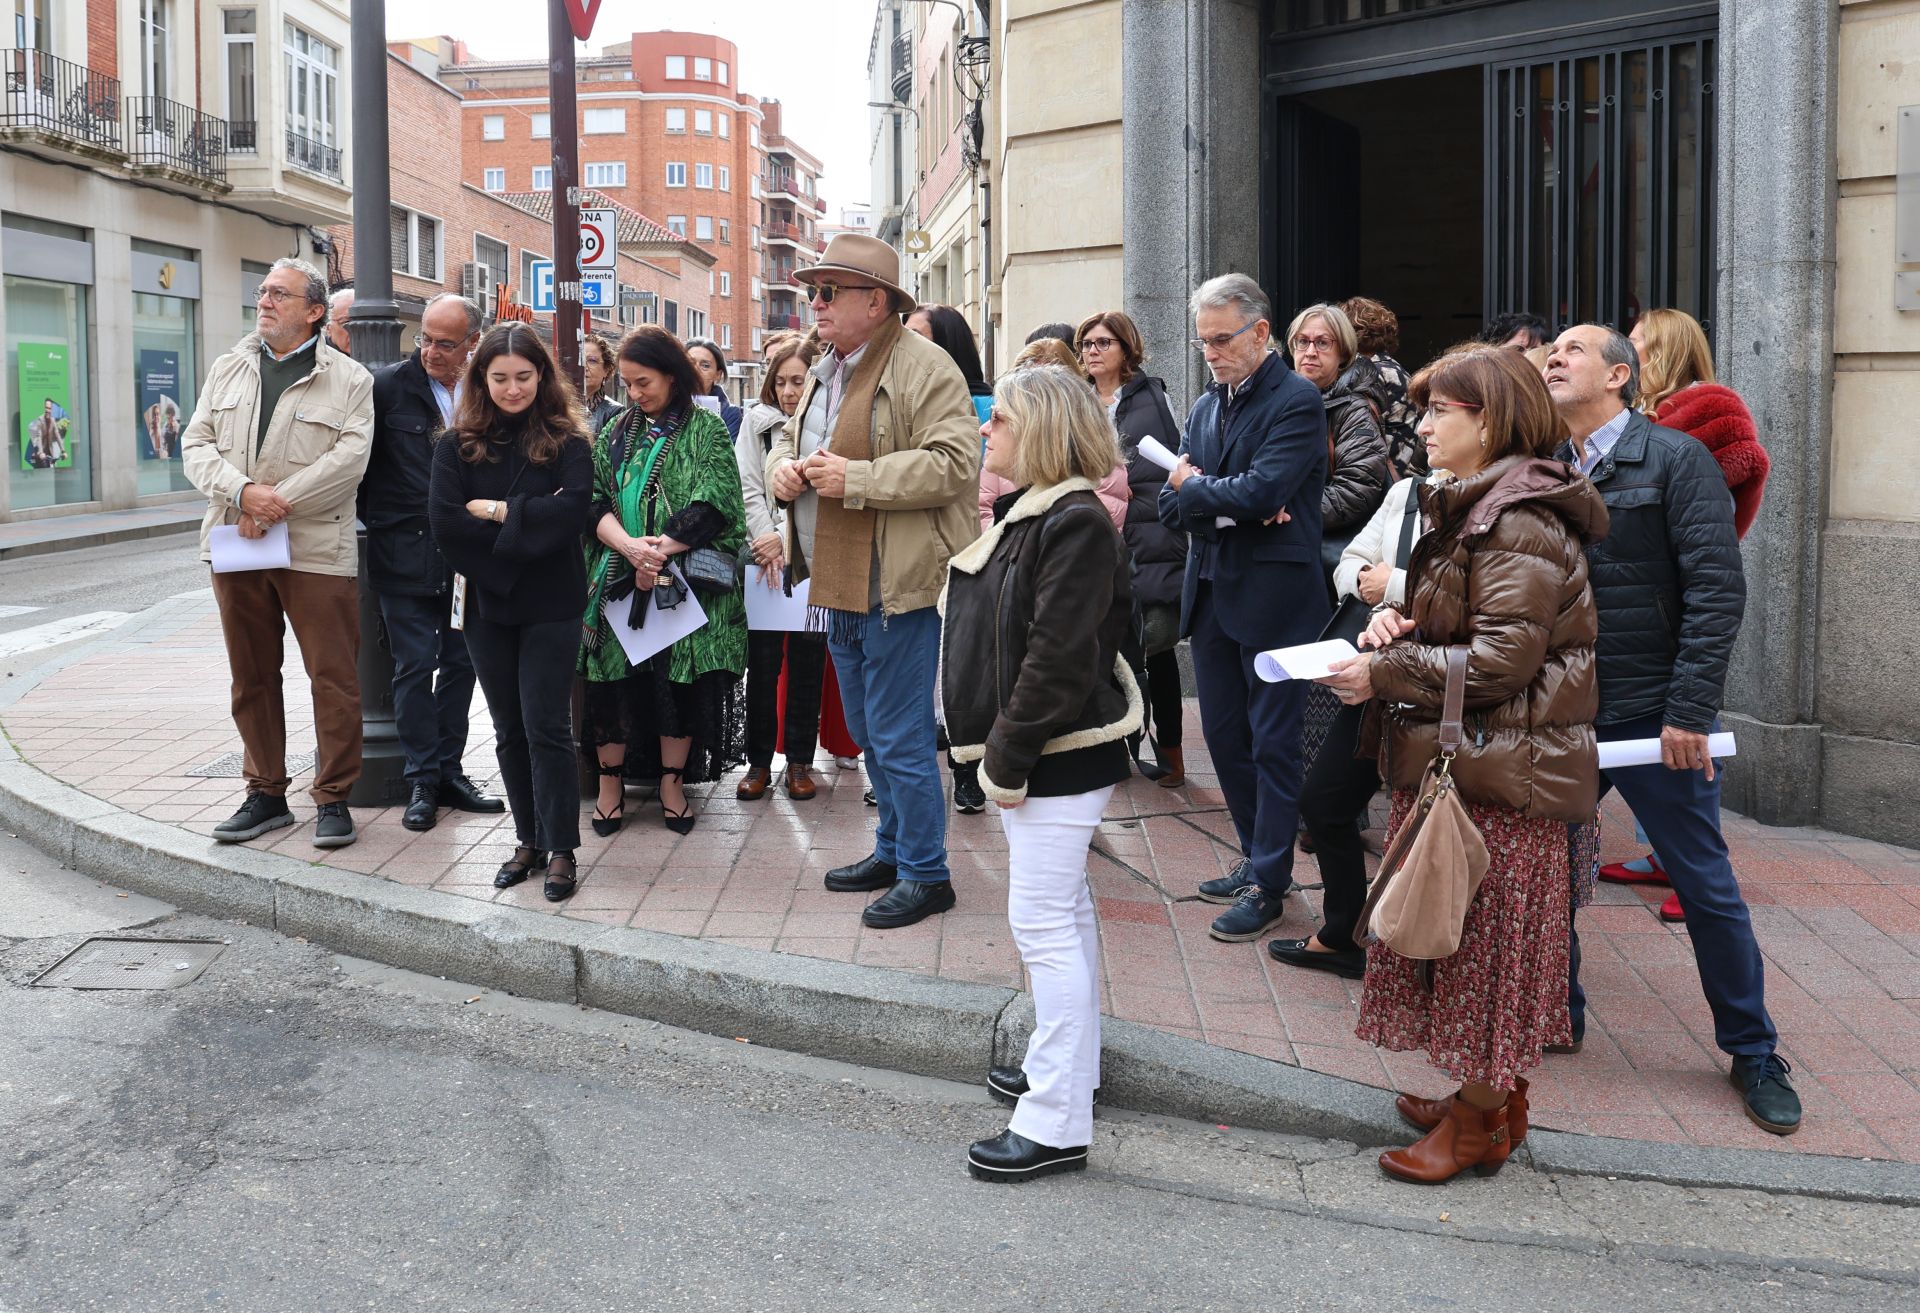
<point x="645" y="707"/>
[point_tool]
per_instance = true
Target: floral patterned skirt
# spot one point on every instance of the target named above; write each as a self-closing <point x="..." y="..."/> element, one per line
<point x="1498" y="1001"/>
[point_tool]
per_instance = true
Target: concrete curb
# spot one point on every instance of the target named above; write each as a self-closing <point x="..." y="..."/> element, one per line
<point x="100" y="538"/>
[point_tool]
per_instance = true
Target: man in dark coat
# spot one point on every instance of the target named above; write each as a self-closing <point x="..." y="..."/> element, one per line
<point x="413" y="400"/>
<point x="1247" y="493"/>
<point x="1668" y="582"/>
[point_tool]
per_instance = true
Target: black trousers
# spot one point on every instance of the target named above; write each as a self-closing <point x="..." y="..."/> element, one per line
<point x="1333" y="804"/>
<point x="429" y="714"/>
<point x="527" y="674"/>
<point x="805" y="659"/>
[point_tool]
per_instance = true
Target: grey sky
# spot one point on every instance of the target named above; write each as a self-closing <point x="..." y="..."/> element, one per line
<point x="812" y="57"/>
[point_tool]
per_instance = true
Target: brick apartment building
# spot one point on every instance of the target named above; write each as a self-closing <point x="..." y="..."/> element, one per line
<point x="448" y="234"/>
<point x="664" y="130"/>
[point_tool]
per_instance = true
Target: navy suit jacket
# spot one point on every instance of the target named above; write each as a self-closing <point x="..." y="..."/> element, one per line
<point x="1264" y="451"/>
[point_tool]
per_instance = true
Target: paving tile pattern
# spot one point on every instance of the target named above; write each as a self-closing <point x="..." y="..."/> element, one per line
<point x="1837" y="918"/>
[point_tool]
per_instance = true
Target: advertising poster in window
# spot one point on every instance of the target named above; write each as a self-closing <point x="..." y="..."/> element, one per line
<point x="159" y="398"/>
<point x="44" y="419"/>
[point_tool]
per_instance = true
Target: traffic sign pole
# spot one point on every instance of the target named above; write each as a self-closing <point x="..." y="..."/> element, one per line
<point x="565" y="124"/>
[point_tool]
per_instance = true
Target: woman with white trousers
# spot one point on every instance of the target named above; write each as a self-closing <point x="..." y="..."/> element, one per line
<point x="1035" y="690"/>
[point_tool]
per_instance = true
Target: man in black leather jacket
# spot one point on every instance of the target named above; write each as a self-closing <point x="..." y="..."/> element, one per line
<point x="1668" y="583"/>
<point x="413" y="400"/>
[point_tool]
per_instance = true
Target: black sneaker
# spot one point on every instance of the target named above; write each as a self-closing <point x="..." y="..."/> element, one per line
<point x="334" y="827"/>
<point x="1771" y="1102"/>
<point x="968" y="798"/>
<point x="260" y="813"/>
<point x="1253" y="913"/>
<point x="1227" y="888"/>
<point x="1008" y="1084"/>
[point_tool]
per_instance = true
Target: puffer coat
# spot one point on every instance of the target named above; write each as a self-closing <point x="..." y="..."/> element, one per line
<point x="1359" y="473"/>
<point x="1503" y="571"/>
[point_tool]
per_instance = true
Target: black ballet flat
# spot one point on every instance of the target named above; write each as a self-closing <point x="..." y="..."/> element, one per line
<point x="525" y="862"/>
<point x="562" y="877"/>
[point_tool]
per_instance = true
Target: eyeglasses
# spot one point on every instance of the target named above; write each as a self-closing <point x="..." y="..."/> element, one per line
<point x="825" y="292"/>
<point x="1099" y="344"/>
<point x="439" y="343"/>
<point x="277" y="295"/>
<point x="1219" y="340"/>
<point x="1317" y="344"/>
<point x="1435" y="409"/>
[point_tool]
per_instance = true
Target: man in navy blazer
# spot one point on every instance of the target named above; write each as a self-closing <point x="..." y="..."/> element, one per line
<point x="1247" y="494"/>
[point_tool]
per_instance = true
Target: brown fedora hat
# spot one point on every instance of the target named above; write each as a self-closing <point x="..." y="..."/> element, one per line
<point x="864" y="257"/>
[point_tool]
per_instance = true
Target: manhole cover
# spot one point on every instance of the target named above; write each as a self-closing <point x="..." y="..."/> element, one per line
<point x="228" y="766"/>
<point x="131" y="964"/>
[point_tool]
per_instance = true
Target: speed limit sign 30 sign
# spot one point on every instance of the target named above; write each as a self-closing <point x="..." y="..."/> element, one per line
<point x="599" y="238"/>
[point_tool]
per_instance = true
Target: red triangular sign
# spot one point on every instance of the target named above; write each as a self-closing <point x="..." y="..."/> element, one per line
<point x="580" y="16"/>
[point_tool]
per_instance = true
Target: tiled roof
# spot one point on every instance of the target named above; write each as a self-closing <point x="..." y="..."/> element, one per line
<point x="635" y="227"/>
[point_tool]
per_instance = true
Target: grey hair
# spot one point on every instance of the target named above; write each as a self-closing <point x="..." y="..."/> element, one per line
<point x="1619" y="350"/>
<point x="316" y="281"/>
<point x="343" y="294"/>
<point x="1232" y="291"/>
<point x="473" y="311"/>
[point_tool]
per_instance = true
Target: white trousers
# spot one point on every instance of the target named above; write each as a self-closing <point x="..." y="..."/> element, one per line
<point x="1051" y="911"/>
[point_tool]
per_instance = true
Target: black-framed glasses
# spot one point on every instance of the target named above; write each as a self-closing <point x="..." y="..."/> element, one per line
<point x="825" y="292"/>
<point x="1219" y="340"/>
<point x="1099" y="344"/>
<point x="438" y="343"/>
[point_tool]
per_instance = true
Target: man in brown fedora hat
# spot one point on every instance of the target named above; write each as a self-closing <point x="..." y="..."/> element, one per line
<point x="881" y="464"/>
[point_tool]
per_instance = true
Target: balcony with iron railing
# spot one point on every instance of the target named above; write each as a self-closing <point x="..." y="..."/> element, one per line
<point x="777" y="231"/>
<point x="243" y="137"/>
<point x="58" y="100"/>
<point x="313" y="156"/>
<point x="784" y="186"/>
<point x="780" y="319"/>
<point x="169" y="137"/>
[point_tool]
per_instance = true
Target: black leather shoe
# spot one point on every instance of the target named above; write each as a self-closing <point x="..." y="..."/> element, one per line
<point x="463" y="795"/>
<point x="423" y="808"/>
<point x="908" y="902"/>
<point x="1011" y="1157"/>
<point x="1771" y="1102"/>
<point x="525" y="861"/>
<point x="1350" y="965"/>
<point x="1007" y="1084"/>
<point x="863" y="877"/>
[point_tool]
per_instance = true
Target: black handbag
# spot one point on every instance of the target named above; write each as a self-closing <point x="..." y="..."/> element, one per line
<point x="1351" y="617"/>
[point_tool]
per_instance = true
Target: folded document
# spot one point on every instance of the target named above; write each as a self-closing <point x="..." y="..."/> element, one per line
<point x="232" y="553"/>
<point x="1156" y="451"/>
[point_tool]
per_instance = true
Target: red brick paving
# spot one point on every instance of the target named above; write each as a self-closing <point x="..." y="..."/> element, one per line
<point x="1838" y="918"/>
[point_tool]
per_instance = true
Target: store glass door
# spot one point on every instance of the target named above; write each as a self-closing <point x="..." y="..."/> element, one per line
<point x="165" y="375"/>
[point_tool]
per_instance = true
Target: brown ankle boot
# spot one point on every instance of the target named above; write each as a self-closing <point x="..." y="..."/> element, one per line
<point x="1467" y="1137"/>
<point x="1175" y="763"/>
<point x="1429" y="1113"/>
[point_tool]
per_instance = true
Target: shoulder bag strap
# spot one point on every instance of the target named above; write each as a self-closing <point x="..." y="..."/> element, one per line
<point x="1453" y="709"/>
<point x="1404" y="555"/>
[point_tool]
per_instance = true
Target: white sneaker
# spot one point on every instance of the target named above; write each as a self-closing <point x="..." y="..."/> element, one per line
<point x="847" y="763"/>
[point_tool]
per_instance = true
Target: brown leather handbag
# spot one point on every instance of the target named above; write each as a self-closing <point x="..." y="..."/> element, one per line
<point x="1417" y="904"/>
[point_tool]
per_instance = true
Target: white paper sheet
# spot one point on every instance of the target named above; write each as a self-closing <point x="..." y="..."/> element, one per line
<point x="663" y="628"/>
<point x="1156" y="451"/>
<point x="770" y="608"/>
<point x="1306" y="661"/>
<point x="1646" y="752"/>
<point x="232" y="553"/>
<point x="707" y="402"/>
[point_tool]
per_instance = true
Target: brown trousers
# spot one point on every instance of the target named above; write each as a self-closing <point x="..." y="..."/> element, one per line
<point x="325" y="611"/>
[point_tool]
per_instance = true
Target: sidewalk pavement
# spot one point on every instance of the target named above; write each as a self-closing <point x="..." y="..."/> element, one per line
<point x="1838" y="919"/>
<point x="59" y="533"/>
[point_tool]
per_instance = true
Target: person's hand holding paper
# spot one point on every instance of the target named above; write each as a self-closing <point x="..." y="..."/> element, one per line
<point x="1156" y="451"/>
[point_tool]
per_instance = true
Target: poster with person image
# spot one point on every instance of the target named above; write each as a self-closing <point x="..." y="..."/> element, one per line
<point x="159" y="399"/>
<point x="44" y="419"/>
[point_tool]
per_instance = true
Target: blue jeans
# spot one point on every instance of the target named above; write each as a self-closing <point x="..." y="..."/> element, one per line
<point x="429" y="715"/>
<point x="887" y="690"/>
<point x="1680" y="811"/>
<point x="1253" y="731"/>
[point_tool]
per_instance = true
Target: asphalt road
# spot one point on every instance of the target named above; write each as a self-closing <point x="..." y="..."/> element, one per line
<point x="51" y="601"/>
<point x="297" y="1131"/>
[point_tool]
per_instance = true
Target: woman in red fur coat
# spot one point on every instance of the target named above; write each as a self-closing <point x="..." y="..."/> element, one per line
<point x="1677" y="389"/>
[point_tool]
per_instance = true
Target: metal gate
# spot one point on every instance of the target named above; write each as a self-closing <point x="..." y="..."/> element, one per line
<point x="1600" y="183"/>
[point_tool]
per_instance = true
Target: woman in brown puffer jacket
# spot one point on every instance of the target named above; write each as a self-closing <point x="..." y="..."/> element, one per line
<point x="1502" y="572"/>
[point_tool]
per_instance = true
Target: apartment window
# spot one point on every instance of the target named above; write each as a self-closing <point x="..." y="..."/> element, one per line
<point x="676" y="120"/>
<point x="702" y="69"/>
<point x="676" y="174"/>
<point x="677" y="224"/>
<point x="726" y="178"/>
<point x="722" y="68"/>
<point x="493" y="127"/>
<point x="696" y="323"/>
<point x="416" y="243"/>
<point x="497" y="259"/>
<point x="605" y="173"/>
<point x="726" y="125"/>
<point x="542" y="126"/>
<point x="703" y="228"/>
<point x="726" y="232"/>
<point x="703" y="122"/>
<point x="493" y="179"/>
<point x="702" y="176"/>
<point x="313" y="85"/>
<point x="154" y="51"/>
<point x="237" y="33"/>
<point x="603" y="121"/>
<point x="753" y="135"/>
<point x="754" y="244"/>
<point x="726" y="283"/>
<point x="543" y="177"/>
<point x="676" y="68"/>
<point x="756" y="287"/>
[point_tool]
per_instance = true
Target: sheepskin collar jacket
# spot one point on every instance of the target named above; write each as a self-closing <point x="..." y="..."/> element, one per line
<point x="1032" y="681"/>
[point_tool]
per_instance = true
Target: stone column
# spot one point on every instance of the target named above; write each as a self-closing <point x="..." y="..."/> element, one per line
<point x="1776" y="206"/>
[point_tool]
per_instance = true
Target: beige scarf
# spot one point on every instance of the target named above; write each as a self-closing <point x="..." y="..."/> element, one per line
<point x="842" y="562"/>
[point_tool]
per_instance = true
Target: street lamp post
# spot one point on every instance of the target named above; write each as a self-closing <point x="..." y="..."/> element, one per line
<point x="374" y="327"/>
<point x="564" y="128"/>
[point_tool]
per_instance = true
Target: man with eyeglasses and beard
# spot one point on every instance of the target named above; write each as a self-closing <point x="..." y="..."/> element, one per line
<point x="1247" y="495"/>
<point x="881" y="464"/>
<point x="413" y="400"/>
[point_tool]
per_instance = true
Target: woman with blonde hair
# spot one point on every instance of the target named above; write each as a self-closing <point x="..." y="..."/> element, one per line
<point x="1036" y="691"/>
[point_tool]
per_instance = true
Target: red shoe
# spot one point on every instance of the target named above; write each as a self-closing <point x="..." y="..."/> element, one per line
<point x="1622" y="873"/>
<point x="1670" y="910"/>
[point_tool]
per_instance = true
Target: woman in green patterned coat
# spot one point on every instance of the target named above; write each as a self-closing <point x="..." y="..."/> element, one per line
<point x="665" y="483"/>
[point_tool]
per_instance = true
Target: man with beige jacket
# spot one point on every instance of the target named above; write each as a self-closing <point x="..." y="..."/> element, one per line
<point x="881" y="464"/>
<point x="280" y="435"/>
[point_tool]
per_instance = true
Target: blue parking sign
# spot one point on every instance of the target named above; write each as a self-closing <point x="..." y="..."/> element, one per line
<point x="540" y="295"/>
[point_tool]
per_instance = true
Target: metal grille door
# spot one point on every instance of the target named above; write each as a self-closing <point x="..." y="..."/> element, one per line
<point x="1600" y="183"/>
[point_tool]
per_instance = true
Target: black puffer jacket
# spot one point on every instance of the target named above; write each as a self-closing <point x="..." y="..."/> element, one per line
<point x="1159" y="553"/>
<point x="1667" y="579"/>
<point x="1358" y="478"/>
<point x="1031" y="677"/>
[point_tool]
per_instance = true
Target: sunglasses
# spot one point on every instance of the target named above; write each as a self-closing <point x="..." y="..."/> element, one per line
<point x="825" y="292"/>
